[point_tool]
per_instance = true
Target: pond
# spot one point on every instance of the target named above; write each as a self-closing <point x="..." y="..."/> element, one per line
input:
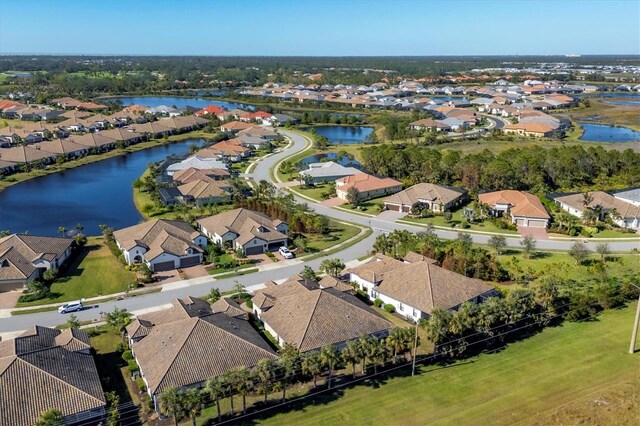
<point x="93" y="194"/>
<point x="329" y="156"/>
<point x="154" y="101"/>
<point x="343" y="134"/>
<point x="605" y="133"/>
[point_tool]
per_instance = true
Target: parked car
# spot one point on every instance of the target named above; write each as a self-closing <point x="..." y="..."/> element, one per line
<point x="71" y="307"/>
<point x="286" y="253"/>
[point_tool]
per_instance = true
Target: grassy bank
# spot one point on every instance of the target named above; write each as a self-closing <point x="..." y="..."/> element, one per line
<point x="55" y="168"/>
<point x="562" y="373"/>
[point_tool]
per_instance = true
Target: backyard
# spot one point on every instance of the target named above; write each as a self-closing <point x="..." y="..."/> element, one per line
<point x="577" y="368"/>
<point x="93" y="271"/>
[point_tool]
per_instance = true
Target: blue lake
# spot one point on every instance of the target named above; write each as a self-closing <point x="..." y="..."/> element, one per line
<point x="604" y="133"/>
<point x="343" y="134"/>
<point x="154" y="101"/>
<point x="93" y="194"/>
<point x="329" y="156"/>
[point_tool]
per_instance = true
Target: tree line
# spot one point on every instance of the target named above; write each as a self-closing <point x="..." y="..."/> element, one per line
<point x="535" y="169"/>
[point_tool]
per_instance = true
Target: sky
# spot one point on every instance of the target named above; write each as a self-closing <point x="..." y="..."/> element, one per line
<point x="320" y="28"/>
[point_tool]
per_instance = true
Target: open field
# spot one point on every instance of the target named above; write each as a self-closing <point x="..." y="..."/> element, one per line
<point x="94" y="271"/>
<point x="573" y="371"/>
<point x="599" y="112"/>
<point x="338" y="233"/>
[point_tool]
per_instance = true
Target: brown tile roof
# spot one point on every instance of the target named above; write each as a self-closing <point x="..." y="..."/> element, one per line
<point x="603" y="199"/>
<point x="375" y="267"/>
<point x="412" y="257"/>
<point x="331" y="282"/>
<point x="228" y="306"/>
<point x="521" y="203"/>
<point x="46" y="371"/>
<point x="18" y="252"/>
<point x="60" y="146"/>
<point x="536" y="127"/>
<point x="191" y="174"/>
<point x="159" y="236"/>
<point x="244" y="223"/>
<point x="426" y="286"/>
<point x="190" y="351"/>
<point x="427" y="192"/>
<point x="180" y="309"/>
<point x="93" y="140"/>
<point x="121" y="134"/>
<point x="366" y="182"/>
<point x="234" y="126"/>
<point x="313" y="318"/>
<point x="24" y="154"/>
<point x="199" y="189"/>
<point x="151" y="127"/>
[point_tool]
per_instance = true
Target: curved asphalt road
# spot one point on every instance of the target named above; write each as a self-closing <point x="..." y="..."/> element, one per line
<point x="202" y="287"/>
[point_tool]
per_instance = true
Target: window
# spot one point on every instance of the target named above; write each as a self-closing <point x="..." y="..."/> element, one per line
<point x="400" y="307"/>
<point x="374" y="294"/>
<point x="415" y="313"/>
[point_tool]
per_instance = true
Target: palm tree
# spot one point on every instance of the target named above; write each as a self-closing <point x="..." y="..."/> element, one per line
<point x="265" y="371"/>
<point x="378" y="354"/>
<point x="352" y="354"/>
<point x="192" y="400"/>
<point x="367" y="349"/>
<point x="50" y="417"/>
<point x="243" y="383"/>
<point x="216" y="388"/>
<point x="312" y="365"/>
<point x="395" y="342"/>
<point x="227" y="381"/>
<point x="171" y="404"/>
<point x="288" y="369"/>
<point x="330" y="357"/>
<point x="62" y="230"/>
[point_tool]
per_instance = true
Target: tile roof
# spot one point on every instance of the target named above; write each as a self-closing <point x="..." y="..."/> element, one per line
<point x="246" y="224"/>
<point x="46" y="371"/>
<point x="159" y="236"/>
<point x="313" y="317"/>
<point x="189" y="351"/>
<point x="603" y="199"/>
<point x="366" y="182"/>
<point x="425" y="191"/>
<point x="426" y="286"/>
<point x="18" y="252"/>
<point x="200" y="189"/>
<point x="375" y="267"/>
<point x="191" y="174"/>
<point x="521" y="203"/>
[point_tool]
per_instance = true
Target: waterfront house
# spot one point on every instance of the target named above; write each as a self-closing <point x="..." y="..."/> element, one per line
<point x="368" y="186"/>
<point x="327" y="172"/>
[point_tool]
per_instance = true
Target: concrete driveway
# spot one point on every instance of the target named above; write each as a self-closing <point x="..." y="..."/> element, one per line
<point x="391" y="215"/>
<point x="196" y="271"/>
<point x="537" y="233"/>
<point x="9" y="299"/>
<point x="333" y="202"/>
<point x="166" y="277"/>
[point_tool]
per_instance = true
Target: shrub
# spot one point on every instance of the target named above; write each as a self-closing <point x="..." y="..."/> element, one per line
<point x="250" y="304"/>
<point x="389" y="308"/>
<point x="127" y="355"/>
<point x="447" y="216"/>
<point x="141" y="386"/>
<point x="133" y="367"/>
<point x="585" y="233"/>
<point x="377" y="302"/>
<point x="464" y="224"/>
<point x="121" y="347"/>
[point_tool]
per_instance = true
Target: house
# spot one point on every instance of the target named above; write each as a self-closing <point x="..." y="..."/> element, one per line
<point x="538" y="129"/>
<point x="234" y="127"/>
<point x="65" y="147"/>
<point x="427" y="123"/>
<point x="631" y="196"/>
<point x="416" y="286"/>
<point x="368" y="186"/>
<point x="251" y="231"/>
<point x="259" y="132"/>
<point x="327" y="171"/>
<point x="202" y="192"/>
<point x="163" y="110"/>
<point x="196" y="162"/>
<point x="185" y="345"/>
<point x="161" y="244"/>
<point x="23" y="258"/>
<point x="435" y="198"/>
<point x="66" y="102"/>
<point x="47" y="368"/>
<point x="623" y="213"/>
<point x="524" y="208"/>
<point x="210" y="110"/>
<point x="283" y="119"/>
<point x="310" y="316"/>
<point x="231" y="150"/>
<point x="192" y="174"/>
<point x="253" y="142"/>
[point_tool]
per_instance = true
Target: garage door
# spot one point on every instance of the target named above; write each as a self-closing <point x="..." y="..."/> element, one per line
<point x="521" y="222"/>
<point x="189" y="261"/>
<point x="276" y="246"/>
<point x="392" y="207"/>
<point x="164" y="266"/>
<point x="537" y="224"/>
<point x="253" y="250"/>
<point x="406" y="209"/>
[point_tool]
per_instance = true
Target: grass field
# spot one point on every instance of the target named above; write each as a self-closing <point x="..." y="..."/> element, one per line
<point x="456" y="219"/>
<point x="93" y="272"/>
<point x="573" y="371"/>
<point x="339" y="233"/>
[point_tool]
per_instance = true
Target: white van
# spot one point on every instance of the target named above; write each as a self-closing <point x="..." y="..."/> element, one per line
<point x="71" y="307"/>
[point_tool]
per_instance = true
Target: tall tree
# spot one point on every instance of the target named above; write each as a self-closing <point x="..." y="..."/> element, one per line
<point x="265" y="372"/>
<point x="216" y="389"/>
<point x="50" y="417"/>
<point x="308" y="273"/>
<point x="312" y="365"/>
<point x="290" y="360"/>
<point x="192" y="401"/>
<point x="332" y="267"/>
<point x="603" y="250"/>
<point x="579" y="252"/>
<point x="498" y="243"/>
<point x="171" y="404"/>
<point x="528" y="244"/>
<point x="353" y="196"/>
<point x="330" y="358"/>
<point x="352" y="354"/>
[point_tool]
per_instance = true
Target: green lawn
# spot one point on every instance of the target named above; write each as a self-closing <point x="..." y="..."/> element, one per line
<point x="94" y="271"/>
<point x="111" y="367"/>
<point x="524" y="383"/>
<point x="456" y="219"/>
<point x="338" y="233"/>
<point x="314" y="192"/>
